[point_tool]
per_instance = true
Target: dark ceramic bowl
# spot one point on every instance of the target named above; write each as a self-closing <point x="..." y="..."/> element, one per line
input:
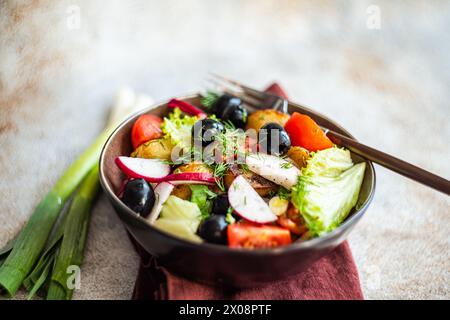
<point x="210" y="263"/>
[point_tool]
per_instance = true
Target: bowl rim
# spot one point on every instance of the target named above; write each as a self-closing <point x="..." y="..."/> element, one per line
<point x="294" y="246"/>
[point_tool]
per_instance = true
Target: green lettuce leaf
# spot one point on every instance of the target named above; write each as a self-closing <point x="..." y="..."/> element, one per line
<point x="202" y="197"/>
<point x="178" y="127"/>
<point x="328" y="189"/>
<point x="329" y="162"/>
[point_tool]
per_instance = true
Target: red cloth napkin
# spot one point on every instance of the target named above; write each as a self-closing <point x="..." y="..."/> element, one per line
<point x="334" y="276"/>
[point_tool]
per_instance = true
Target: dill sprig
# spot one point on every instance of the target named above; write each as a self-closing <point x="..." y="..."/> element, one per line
<point x="284" y="193"/>
<point x="231" y="140"/>
<point x="189" y="154"/>
<point x="209" y="100"/>
<point x="286" y="165"/>
<point x="245" y="168"/>
<point x="210" y="194"/>
<point x="219" y="171"/>
<point x="229" y="125"/>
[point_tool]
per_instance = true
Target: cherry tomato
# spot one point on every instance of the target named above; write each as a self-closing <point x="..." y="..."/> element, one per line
<point x="293" y="214"/>
<point x="291" y="225"/>
<point x="248" y="235"/>
<point x="306" y="133"/>
<point x="147" y="127"/>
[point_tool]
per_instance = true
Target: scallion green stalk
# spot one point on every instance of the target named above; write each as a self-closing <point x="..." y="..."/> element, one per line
<point x="73" y="242"/>
<point x="31" y="240"/>
<point x="34" y="238"/>
<point x="5" y="251"/>
<point x="38" y="276"/>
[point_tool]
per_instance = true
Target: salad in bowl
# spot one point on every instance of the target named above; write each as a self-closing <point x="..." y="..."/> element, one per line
<point x="219" y="172"/>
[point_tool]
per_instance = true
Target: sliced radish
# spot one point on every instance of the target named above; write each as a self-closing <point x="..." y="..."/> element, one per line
<point x="151" y="170"/>
<point x="247" y="202"/>
<point x="273" y="168"/>
<point x="162" y="193"/>
<point x="156" y="171"/>
<point x="190" y="178"/>
<point x="186" y="107"/>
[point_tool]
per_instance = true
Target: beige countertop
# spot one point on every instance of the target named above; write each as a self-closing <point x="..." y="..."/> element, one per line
<point x="388" y="86"/>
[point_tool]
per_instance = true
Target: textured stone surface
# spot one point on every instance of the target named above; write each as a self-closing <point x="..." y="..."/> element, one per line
<point x="388" y="86"/>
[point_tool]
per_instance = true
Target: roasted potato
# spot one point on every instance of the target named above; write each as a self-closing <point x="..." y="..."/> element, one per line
<point x="261" y="185"/>
<point x="154" y="149"/>
<point x="182" y="191"/>
<point x="299" y="156"/>
<point x="193" y="167"/>
<point x="261" y="117"/>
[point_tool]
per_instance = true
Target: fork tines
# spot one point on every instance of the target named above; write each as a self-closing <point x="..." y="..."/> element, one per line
<point x="252" y="97"/>
<point x="249" y="96"/>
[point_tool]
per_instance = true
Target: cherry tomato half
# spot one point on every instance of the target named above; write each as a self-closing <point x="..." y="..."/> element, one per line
<point x="291" y="226"/>
<point x="306" y="133"/>
<point x="248" y="235"/>
<point x="147" y="127"/>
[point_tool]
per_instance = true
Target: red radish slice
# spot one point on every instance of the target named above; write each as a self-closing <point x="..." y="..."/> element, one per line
<point x="162" y="193"/>
<point x="186" y="107"/>
<point x="247" y="203"/>
<point x="155" y="170"/>
<point x="190" y="178"/>
<point x="151" y="170"/>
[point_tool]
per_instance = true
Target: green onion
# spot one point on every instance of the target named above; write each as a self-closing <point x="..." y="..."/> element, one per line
<point x="32" y="238"/>
<point x="30" y="259"/>
<point x="5" y="251"/>
<point x="35" y="279"/>
<point x="39" y="276"/>
<point x="75" y="232"/>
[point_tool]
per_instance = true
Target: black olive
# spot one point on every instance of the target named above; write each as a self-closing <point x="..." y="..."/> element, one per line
<point x="236" y="115"/>
<point x="221" y="204"/>
<point x="230" y="108"/>
<point x="205" y="130"/>
<point x="224" y="102"/>
<point x="273" y="139"/>
<point x="214" y="229"/>
<point x="138" y="195"/>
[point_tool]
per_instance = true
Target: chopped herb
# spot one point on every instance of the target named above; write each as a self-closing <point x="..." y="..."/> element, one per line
<point x="286" y="165"/>
<point x="272" y="193"/>
<point x="229" y="217"/>
<point x="219" y="170"/>
<point x="245" y="168"/>
<point x="189" y="155"/>
<point x="231" y="141"/>
<point x="229" y="125"/>
<point x="219" y="183"/>
<point x="284" y="194"/>
<point x="210" y="194"/>
<point x="209" y="100"/>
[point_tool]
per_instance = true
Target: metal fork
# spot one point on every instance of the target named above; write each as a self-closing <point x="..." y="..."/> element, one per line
<point x="262" y="100"/>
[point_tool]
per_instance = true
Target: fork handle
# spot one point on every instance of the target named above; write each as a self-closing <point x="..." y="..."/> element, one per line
<point x="404" y="168"/>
